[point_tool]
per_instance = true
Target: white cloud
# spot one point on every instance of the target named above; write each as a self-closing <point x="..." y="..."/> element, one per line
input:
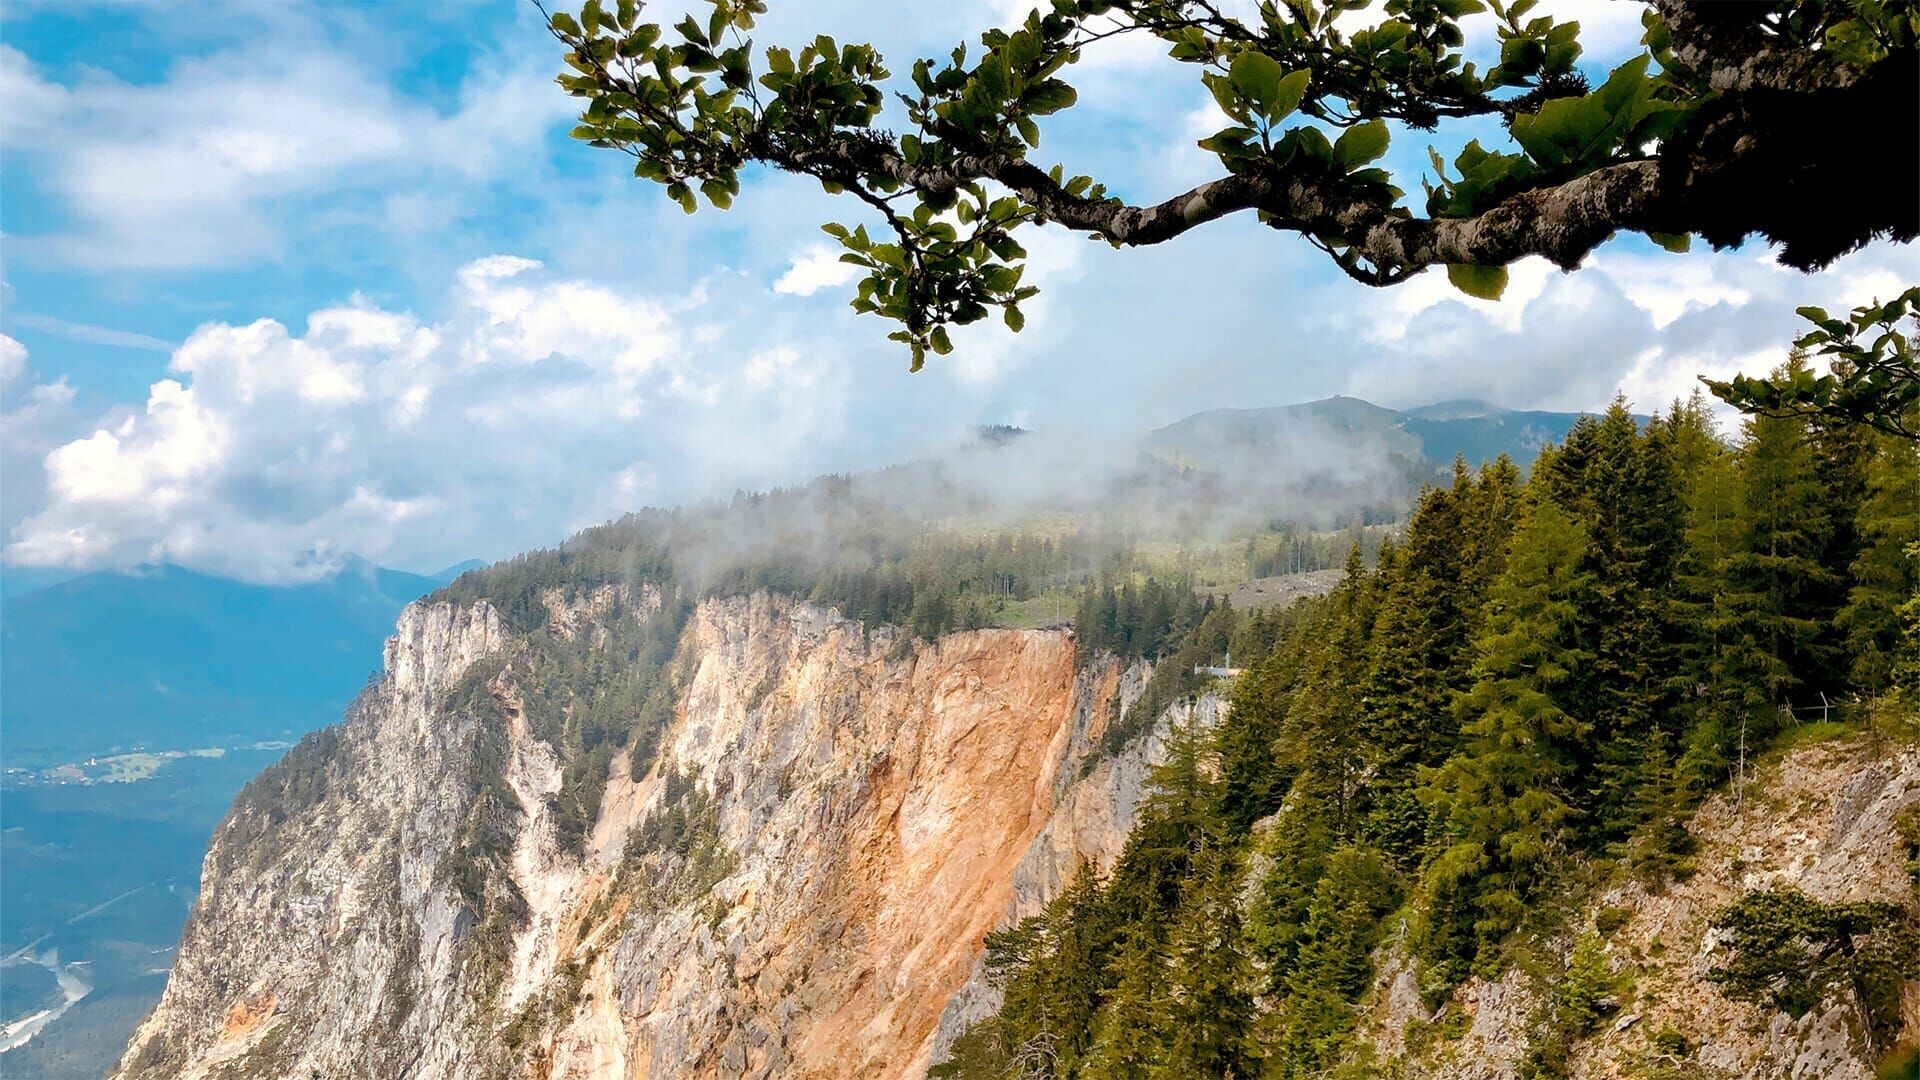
<point x="35" y="417"/>
<point x="537" y="402"/>
<point x="13" y="362"/>
<point x="818" y="267"/>
<point x="92" y="335"/>
<point x="1639" y="322"/>
<point x="207" y="166"/>
<point x="1667" y="288"/>
<point x="1526" y="279"/>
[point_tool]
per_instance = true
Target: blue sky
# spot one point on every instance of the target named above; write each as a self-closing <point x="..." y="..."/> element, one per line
<point x="286" y="280"/>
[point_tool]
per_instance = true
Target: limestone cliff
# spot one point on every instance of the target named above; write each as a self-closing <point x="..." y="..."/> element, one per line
<point x="798" y="884"/>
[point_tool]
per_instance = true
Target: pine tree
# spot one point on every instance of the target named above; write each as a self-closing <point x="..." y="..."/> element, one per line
<point x="1504" y="795"/>
<point x="1776" y="574"/>
<point x="1128" y="1036"/>
<point x="1883" y="577"/>
<point x="1208" y="978"/>
<point x="1633" y="513"/>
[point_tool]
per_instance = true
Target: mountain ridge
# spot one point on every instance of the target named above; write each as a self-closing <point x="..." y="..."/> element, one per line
<point x="115" y="660"/>
<point x="1469" y="428"/>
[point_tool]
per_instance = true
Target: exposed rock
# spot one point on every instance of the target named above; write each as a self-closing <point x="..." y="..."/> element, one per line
<point x="800" y="884"/>
<point x="324" y="892"/>
<point x="879" y="806"/>
<point x="1819" y="819"/>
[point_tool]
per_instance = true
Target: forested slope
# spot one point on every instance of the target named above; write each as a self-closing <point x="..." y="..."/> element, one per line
<point x="1524" y="702"/>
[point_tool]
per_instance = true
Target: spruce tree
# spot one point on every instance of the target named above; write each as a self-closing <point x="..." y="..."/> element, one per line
<point x="1333" y="966"/>
<point x="1178" y="820"/>
<point x="1632" y="510"/>
<point x="1505" y="795"/>
<point x="1842" y="454"/>
<point x="1208" y="978"/>
<point x="1320" y="740"/>
<point x="1711" y="491"/>
<point x="1128" y="1035"/>
<point x="1428" y="606"/>
<point x="1883" y="576"/>
<point x="1253" y="771"/>
<point x="1776" y="575"/>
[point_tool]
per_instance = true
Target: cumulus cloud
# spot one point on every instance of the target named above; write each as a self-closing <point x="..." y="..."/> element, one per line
<point x="1646" y="324"/>
<point x="537" y="405"/>
<point x="35" y="417"/>
<point x="818" y="267"/>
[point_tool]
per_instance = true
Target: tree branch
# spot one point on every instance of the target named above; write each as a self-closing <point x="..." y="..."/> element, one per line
<point x="1562" y="223"/>
<point x="1724" y="45"/>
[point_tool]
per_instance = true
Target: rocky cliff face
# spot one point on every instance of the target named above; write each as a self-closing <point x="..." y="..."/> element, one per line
<point x="798" y="884"/>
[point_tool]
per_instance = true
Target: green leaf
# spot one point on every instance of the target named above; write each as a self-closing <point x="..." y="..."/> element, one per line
<point x="1016" y="322"/>
<point x="1360" y="144"/>
<point x="1678" y="243"/>
<point x="563" y="24"/>
<point x="1482" y="282"/>
<point x="994" y="80"/>
<point x="941" y="343"/>
<point x="1233" y="142"/>
<point x="1048" y="97"/>
<point x="1287" y="98"/>
<point x="1561" y="131"/>
<point x="1224" y="95"/>
<point x="1257" y="77"/>
<point x="1307" y="142"/>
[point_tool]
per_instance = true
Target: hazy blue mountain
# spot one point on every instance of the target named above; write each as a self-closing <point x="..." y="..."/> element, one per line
<point x="18" y="580"/>
<point x="1482" y="432"/>
<point x="454" y="571"/>
<point x="100" y="858"/>
<point x="1344" y="426"/>
<point x="166" y="658"/>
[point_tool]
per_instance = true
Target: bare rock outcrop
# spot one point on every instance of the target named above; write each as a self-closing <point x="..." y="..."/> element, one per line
<point x="1819" y="819"/>
<point x="875" y="807"/>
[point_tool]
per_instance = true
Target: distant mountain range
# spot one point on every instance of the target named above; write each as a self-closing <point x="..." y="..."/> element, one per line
<point x="1345" y="426"/>
<point x="167" y="658"/>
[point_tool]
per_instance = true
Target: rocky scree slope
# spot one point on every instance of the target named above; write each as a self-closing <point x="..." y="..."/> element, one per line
<point x="1821" y="819"/>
